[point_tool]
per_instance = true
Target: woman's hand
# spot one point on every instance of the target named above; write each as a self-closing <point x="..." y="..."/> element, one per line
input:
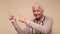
<point x="22" y="19"/>
<point x="11" y="17"/>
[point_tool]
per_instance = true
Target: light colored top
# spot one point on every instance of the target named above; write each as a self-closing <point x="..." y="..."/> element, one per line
<point x="30" y="25"/>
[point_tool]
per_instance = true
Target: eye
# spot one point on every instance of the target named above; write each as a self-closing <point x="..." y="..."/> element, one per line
<point x="34" y="11"/>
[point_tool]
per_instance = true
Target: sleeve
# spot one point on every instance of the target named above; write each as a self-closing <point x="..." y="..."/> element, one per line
<point x="16" y="26"/>
<point x="44" y="29"/>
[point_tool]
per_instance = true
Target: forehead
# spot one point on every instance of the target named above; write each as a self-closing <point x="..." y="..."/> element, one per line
<point x="36" y="7"/>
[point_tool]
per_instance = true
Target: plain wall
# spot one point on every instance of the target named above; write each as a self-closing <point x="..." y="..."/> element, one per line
<point x="24" y="7"/>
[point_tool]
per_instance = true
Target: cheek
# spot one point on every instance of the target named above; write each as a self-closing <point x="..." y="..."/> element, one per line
<point x="37" y="13"/>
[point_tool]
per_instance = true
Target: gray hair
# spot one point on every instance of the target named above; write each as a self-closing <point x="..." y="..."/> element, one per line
<point x="37" y="4"/>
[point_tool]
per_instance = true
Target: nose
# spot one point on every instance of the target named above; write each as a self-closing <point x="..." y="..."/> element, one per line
<point x="36" y="12"/>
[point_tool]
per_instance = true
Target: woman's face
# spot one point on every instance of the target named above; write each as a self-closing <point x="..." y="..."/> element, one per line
<point x="37" y="11"/>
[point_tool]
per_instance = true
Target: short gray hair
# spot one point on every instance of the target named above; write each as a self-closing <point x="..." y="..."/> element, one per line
<point x="37" y="4"/>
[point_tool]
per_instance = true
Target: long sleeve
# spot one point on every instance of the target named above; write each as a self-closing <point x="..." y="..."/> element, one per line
<point x="44" y="29"/>
<point x="18" y="29"/>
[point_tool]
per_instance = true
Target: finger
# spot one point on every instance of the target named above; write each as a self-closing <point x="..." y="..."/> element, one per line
<point x="18" y="15"/>
<point x="10" y="18"/>
<point x="12" y="21"/>
<point x="10" y="13"/>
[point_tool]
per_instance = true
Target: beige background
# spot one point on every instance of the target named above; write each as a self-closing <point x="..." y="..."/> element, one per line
<point x="24" y="7"/>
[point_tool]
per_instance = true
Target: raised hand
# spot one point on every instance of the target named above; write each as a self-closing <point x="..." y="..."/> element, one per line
<point x="22" y="19"/>
<point x="11" y="17"/>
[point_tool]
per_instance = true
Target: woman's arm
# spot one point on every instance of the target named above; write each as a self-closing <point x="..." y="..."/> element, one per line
<point x="44" y="29"/>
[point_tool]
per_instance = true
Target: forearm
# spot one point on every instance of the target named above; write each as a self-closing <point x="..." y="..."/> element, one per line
<point x="40" y="28"/>
<point x="16" y="26"/>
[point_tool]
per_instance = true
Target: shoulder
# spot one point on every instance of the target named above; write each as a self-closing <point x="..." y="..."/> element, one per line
<point x="49" y="19"/>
